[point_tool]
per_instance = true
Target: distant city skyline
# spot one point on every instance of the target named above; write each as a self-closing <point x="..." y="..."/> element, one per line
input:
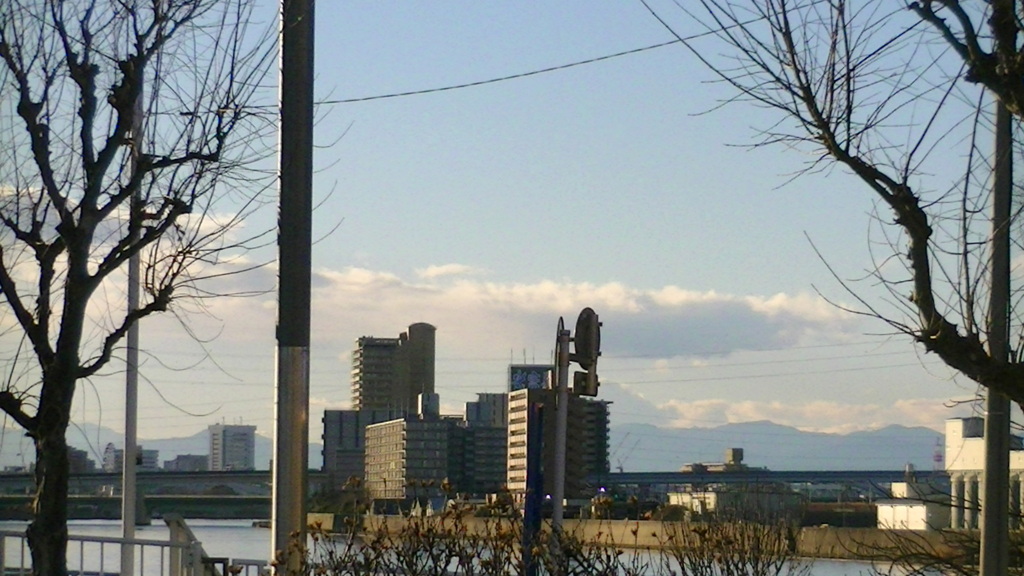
<point x="489" y="212"/>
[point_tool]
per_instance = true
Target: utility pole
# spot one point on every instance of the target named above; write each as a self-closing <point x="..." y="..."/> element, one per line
<point x="129" y="495"/>
<point x="587" y="344"/>
<point x="561" y="428"/>
<point x="291" y="406"/>
<point x="995" y="500"/>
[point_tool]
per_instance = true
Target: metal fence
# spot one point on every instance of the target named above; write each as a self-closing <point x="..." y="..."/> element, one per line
<point x="101" y="555"/>
<point x="181" y="555"/>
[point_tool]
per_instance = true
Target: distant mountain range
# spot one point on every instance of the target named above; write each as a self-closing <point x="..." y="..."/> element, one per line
<point x="634" y="447"/>
<point x="646" y="448"/>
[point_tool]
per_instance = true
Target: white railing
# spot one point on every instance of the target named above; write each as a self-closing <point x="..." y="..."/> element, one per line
<point x="181" y="555"/>
<point x="101" y="555"/>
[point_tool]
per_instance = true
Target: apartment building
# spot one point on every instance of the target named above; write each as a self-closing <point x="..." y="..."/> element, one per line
<point x="390" y="373"/>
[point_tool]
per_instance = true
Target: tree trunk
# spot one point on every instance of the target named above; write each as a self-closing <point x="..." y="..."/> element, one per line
<point x="48" y="532"/>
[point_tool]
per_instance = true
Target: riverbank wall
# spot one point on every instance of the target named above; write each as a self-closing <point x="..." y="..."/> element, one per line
<point x="810" y="542"/>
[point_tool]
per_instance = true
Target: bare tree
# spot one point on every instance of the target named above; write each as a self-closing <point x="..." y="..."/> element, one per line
<point x="890" y="92"/>
<point x="81" y="193"/>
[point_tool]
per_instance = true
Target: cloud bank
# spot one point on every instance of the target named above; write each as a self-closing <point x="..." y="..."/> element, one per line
<point x="484" y="325"/>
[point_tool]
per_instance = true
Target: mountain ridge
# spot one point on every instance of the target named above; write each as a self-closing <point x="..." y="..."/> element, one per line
<point x="636" y="447"/>
<point x="649" y="448"/>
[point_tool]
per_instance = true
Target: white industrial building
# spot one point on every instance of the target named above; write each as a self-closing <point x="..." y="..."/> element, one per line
<point x="913" y="507"/>
<point x="965" y="462"/>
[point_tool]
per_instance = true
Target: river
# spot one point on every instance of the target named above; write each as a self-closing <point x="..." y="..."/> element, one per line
<point x="239" y="539"/>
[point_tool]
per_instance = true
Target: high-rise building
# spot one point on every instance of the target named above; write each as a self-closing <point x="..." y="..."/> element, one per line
<point x="232" y="447"/>
<point x="587" y="437"/>
<point x="391" y="373"/>
<point x="490" y="409"/>
<point x="345" y="440"/>
<point x="482" y="468"/>
<point x="408" y="457"/>
<point x="484" y="445"/>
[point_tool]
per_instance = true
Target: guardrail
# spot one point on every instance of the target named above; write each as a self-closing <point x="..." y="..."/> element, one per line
<point x="181" y="555"/>
<point x="101" y="556"/>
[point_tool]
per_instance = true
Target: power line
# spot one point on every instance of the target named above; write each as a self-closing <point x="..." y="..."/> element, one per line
<point x="505" y="78"/>
<point x="677" y="40"/>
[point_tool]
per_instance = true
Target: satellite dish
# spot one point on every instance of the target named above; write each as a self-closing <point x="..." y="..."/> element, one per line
<point x="587" y="341"/>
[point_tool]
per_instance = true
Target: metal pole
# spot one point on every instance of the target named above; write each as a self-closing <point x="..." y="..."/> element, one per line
<point x="561" y="428"/>
<point x="534" y="483"/>
<point x="291" y="407"/>
<point x="131" y="394"/>
<point x="995" y="485"/>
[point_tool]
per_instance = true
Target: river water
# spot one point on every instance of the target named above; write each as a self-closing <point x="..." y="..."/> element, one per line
<point x="239" y="539"/>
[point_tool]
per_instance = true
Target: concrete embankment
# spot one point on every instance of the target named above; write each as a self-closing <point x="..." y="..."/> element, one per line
<point x="817" y="542"/>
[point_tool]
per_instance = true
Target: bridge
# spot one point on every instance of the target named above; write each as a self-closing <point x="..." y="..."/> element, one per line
<point x="258" y="482"/>
<point x="19" y="507"/>
<point x="242" y="482"/>
<point x="760" y="476"/>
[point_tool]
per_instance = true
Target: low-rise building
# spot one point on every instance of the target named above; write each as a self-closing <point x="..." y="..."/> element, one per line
<point x="757" y="502"/>
<point x="145" y="460"/>
<point x="79" y="461"/>
<point x="913" y="506"/>
<point x="187" y="463"/>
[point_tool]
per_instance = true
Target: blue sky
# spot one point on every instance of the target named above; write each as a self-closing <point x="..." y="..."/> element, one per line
<point x="491" y="211"/>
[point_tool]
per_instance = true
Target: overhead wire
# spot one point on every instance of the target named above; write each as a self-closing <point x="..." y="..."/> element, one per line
<point x="505" y="78"/>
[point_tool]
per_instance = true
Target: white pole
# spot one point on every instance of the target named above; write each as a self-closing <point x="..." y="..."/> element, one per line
<point x="131" y="395"/>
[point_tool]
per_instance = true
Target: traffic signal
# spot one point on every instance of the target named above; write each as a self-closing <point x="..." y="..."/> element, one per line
<point x="588" y="347"/>
<point x="585" y="383"/>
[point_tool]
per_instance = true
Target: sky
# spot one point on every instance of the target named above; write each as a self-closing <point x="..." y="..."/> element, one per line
<point x="491" y="211"/>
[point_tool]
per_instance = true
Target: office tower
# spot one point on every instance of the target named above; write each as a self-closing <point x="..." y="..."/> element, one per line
<point x="390" y="373"/>
<point x="232" y="447"/>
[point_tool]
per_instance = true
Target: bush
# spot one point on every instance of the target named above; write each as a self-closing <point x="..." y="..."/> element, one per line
<point x="444" y="545"/>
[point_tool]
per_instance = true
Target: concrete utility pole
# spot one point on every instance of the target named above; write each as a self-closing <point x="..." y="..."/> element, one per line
<point x="291" y="407"/>
<point x="129" y="496"/>
<point x="995" y="499"/>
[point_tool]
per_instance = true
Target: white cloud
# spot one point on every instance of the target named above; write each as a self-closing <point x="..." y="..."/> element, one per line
<point x="483" y="314"/>
<point x="445" y="270"/>
<point x="482" y="324"/>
